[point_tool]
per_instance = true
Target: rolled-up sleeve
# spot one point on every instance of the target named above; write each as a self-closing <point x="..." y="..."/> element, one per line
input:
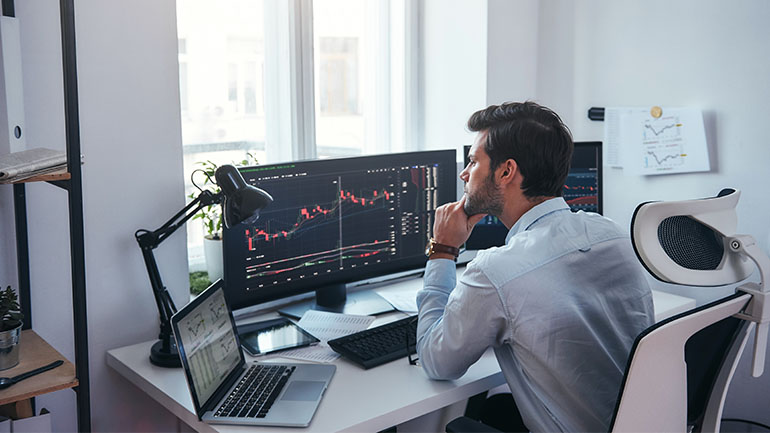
<point x="457" y="321"/>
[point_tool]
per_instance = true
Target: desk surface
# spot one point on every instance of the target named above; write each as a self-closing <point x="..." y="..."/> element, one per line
<point x="357" y="399"/>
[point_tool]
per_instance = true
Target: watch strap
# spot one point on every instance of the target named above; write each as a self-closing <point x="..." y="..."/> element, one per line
<point x="436" y="247"/>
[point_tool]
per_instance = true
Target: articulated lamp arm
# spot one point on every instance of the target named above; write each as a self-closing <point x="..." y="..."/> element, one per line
<point x="240" y="202"/>
<point x="165" y="353"/>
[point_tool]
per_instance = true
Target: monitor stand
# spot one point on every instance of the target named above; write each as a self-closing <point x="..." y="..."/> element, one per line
<point x="335" y="299"/>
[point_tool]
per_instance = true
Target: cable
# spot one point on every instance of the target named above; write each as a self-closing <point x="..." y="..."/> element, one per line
<point x="192" y="178"/>
<point x="758" y="424"/>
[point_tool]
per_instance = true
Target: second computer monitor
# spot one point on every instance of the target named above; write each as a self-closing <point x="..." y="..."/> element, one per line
<point x="336" y="221"/>
<point x="582" y="191"/>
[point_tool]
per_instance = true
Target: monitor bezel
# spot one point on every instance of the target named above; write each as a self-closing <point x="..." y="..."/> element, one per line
<point x="238" y="297"/>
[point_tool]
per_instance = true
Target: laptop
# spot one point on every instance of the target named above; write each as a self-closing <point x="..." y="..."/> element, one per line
<point x="225" y="388"/>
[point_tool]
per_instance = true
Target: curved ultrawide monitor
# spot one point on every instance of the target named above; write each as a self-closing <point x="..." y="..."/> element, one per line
<point x="336" y="221"/>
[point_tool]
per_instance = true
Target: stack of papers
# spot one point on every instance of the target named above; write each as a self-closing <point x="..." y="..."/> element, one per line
<point x="403" y="299"/>
<point x="30" y="163"/>
<point x="326" y="326"/>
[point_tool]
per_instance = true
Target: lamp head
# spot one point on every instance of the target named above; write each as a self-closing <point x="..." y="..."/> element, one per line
<point x="241" y="202"/>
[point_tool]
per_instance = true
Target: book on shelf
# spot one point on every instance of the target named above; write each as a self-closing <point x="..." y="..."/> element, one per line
<point x="22" y="165"/>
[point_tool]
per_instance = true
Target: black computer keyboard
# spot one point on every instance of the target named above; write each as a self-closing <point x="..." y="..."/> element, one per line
<point x="376" y="346"/>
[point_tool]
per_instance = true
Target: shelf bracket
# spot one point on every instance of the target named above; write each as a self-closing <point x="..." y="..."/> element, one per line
<point x="63" y="184"/>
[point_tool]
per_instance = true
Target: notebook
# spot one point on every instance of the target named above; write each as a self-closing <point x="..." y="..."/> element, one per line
<point x="225" y="388"/>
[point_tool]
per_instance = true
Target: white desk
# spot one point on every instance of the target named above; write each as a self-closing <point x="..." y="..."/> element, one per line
<point x="357" y="399"/>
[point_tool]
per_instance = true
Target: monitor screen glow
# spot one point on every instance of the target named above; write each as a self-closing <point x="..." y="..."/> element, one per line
<point x="336" y="221"/>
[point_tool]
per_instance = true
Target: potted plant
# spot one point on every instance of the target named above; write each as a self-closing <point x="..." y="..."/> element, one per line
<point x="211" y="216"/>
<point x="10" y="328"/>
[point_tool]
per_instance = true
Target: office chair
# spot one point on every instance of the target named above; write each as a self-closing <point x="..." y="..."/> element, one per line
<point x="679" y="369"/>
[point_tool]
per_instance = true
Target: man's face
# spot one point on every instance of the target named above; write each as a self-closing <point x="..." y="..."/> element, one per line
<point x="482" y="194"/>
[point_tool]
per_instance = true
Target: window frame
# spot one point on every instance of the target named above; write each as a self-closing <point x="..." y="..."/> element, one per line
<point x="289" y="81"/>
<point x="288" y="75"/>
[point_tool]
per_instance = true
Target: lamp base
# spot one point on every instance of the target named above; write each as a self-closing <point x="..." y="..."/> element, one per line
<point x="165" y="358"/>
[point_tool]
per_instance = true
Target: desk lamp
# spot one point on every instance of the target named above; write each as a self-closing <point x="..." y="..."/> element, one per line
<point x="240" y="203"/>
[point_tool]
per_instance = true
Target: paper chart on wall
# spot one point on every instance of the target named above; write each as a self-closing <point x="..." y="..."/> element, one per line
<point x="674" y="142"/>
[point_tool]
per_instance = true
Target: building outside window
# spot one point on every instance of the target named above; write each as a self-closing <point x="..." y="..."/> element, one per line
<point x="234" y="56"/>
<point x="338" y="77"/>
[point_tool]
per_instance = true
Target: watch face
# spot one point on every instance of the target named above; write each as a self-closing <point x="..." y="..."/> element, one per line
<point x="429" y="247"/>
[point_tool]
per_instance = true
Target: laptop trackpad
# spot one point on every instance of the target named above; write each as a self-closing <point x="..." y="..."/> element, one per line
<point x="304" y="390"/>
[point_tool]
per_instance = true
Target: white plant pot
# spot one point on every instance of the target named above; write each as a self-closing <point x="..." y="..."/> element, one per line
<point x="212" y="250"/>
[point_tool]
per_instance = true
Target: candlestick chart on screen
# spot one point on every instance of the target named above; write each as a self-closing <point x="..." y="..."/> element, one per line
<point x="332" y="222"/>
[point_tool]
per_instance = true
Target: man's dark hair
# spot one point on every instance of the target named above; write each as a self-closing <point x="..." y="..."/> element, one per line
<point x="534" y="137"/>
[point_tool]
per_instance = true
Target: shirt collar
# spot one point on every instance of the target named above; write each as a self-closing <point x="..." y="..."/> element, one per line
<point x="536" y="213"/>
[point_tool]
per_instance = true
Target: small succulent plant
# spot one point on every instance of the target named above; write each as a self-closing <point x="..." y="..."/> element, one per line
<point x="10" y="311"/>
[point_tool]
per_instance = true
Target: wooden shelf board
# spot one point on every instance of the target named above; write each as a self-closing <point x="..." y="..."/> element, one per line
<point x="46" y="178"/>
<point x="34" y="352"/>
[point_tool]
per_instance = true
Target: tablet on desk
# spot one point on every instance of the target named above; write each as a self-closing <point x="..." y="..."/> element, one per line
<point x="273" y="335"/>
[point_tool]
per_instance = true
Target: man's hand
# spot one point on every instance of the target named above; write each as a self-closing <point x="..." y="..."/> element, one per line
<point x="452" y="226"/>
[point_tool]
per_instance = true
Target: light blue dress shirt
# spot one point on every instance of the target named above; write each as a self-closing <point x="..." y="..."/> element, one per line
<point x="561" y="304"/>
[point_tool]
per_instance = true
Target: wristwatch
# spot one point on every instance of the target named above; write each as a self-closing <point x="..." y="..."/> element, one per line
<point x="435" y="247"/>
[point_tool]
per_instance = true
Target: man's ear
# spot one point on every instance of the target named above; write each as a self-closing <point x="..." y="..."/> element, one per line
<point x="507" y="171"/>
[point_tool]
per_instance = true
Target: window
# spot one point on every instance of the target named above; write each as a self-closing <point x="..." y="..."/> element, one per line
<point x="289" y="79"/>
<point x="183" y="88"/>
<point x="232" y="86"/>
<point x="221" y="97"/>
<point x="244" y="80"/>
<point x="338" y="77"/>
<point x="355" y="44"/>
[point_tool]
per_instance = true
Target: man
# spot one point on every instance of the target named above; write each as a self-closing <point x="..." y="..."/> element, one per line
<point x="561" y="302"/>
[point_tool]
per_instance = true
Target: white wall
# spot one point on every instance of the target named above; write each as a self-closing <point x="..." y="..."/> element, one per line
<point x="512" y="51"/>
<point x="688" y="53"/>
<point x="453" y="70"/>
<point x="132" y="178"/>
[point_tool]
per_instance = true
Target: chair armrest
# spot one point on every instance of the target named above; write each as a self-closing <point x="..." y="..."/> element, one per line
<point x="464" y="424"/>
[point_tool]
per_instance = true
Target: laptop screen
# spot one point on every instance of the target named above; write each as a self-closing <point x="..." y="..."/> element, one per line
<point x="209" y="342"/>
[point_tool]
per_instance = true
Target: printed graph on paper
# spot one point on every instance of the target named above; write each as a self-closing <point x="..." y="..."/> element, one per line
<point x="642" y="144"/>
<point x="662" y="143"/>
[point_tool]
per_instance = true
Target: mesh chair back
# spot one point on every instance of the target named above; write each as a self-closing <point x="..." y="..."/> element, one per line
<point x="691" y="244"/>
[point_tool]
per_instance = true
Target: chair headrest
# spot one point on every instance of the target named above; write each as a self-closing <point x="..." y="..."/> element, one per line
<point x="684" y="242"/>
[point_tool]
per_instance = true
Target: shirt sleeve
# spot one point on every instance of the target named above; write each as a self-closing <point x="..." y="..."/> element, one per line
<point x="456" y="325"/>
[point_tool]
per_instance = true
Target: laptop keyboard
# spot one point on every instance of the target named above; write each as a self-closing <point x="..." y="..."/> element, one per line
<point x="256" y="392"/>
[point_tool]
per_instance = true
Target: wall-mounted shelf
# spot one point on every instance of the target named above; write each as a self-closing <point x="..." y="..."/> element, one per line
<point x="45" y="178"/>
<point x="35" y="351"/>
